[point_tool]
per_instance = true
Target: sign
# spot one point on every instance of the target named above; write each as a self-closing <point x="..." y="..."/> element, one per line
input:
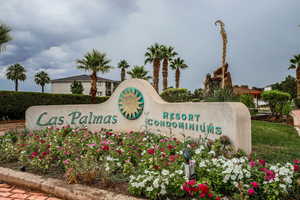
<point x="136" y="106"/>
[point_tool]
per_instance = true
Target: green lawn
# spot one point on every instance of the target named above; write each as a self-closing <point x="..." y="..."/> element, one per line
<point x="275" y="142"/>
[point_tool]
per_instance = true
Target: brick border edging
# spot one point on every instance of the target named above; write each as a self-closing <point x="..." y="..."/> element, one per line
<point x="58" y="187"/>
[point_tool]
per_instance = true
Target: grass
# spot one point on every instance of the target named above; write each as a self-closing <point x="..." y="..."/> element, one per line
<point x="275" y="142"/>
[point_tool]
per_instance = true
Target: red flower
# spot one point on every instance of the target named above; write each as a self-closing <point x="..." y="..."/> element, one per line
<point x="204" y="188"/>
<point x="192" y="182"/>
<point x="296" y="168"/>
<point x="254" y="184"/>
<point x="262" y="162"/>
<point x="251" y="191"/>
<point x="210" y="195"/>
<point x="34" y="154"/>
<point x="105" y="147"/>
<point x="218" y="198"/>
<point x="162" y="149"/>
<point x="297" y="161"/>
<point x="44" y="153"/>
<point x="202" y="195"/>
<point x="170" y="147"/>
<point x="151" y="151"/>
<point x="42" y="141"/>
<point x="172" y="158"/>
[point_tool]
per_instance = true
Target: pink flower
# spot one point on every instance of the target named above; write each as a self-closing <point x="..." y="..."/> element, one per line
<point x="254" y="184"/>
<point x="210" y="195"/>
<point x="44" y="153"/>
<point x="251" y="191"/>
<point x="172" y="158"/>
<point x="91" y="145"/>
<point x="204" y="188"/>
<point x="262" y="162"/>
<point x="151" y="151"/>
<point x="66" y="162"/>
<point x="191" y="182"/>
<point x="202" y="195"/>
<point x="252" y="163"/>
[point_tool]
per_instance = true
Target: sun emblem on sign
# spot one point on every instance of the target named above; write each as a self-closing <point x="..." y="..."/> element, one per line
<point x="131" y="103"/>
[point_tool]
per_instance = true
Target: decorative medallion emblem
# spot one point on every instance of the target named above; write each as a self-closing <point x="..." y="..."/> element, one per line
<point x="131" y="103"/>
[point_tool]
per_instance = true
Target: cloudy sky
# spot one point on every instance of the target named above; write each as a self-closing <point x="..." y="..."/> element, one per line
<point x="50" y="35"/>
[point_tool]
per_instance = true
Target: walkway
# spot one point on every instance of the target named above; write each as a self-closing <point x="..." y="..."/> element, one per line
<point x="9" y="192"/>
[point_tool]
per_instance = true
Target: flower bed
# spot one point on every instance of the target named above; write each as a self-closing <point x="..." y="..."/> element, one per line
<point x="152" y="165"/>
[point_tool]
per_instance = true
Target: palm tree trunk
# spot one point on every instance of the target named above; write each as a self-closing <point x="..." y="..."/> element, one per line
<point x="93" y="90"/>
<point x="43" y="88"/>
<point x="156" y="65"/>
<point x="165" y="73"/>
<point x="123" y="72"/>
<point x="298" y="80"/>
<point x="16" y="85"/>
<point x="177" y="77"/>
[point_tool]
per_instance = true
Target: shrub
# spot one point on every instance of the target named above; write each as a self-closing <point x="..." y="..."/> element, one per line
<point x="14" y="104"/>
<point x="77" y="87"/>
<point x="276" y="100"/>
<point x="248" y="100"/>
<point x="297" y="102"/>
<point x="176" y="95"/>
<point x="221" y="95"/>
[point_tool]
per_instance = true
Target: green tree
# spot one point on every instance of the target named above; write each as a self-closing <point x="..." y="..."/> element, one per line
<point x="42" y="78"/>
<point x="295" y="64"/>
<point x="77" y="87"/>
<point x="139" y="72"/>
<point x="288" y="85"/>
<point x="154" y="55"/>
<point x="178" y="64"/>
<point x="123" y="65"/>
<point x="94" y="62"/>
<point x="16" y="73"/>
<point x="4" y="36"/>
<point x="276" y="100"/>
<point x="168" y="54"/>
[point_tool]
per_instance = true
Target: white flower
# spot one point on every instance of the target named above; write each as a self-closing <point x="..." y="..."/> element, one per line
<point x="198" y="151"/>
<point x="163" y="192"/>
<point x="165" y="172"/>
<point x="156" y="183"/>
<point x="149" y="189"/>
<point x="179" y="172"/>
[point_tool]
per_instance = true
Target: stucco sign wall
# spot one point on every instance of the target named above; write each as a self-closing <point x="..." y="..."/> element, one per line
<point x="135" y="105"/>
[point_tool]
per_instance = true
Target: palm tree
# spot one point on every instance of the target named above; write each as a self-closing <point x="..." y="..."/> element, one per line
<point x="295" y="64"/>
<point x="168" y="54"/>
<point x="94" y="61"/>
<point x="178" y="64"/>
<point x="123" y="65"/>
<point x="153" y="55"/>
<point x="15" y="73"/>
<point x="4" y="35"/>
<point x="42" y="78"/>
<point x="139" y="72"/>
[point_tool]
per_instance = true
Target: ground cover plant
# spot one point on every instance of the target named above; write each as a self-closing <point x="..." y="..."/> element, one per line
<point x="152" y="165"/>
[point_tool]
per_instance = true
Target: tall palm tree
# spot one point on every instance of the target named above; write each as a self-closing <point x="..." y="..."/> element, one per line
<point x="123" y="65"/>
<point x="4" y="35"/>
<point x="139" y="72"/>
<point x="95" y="62"/>
<point x="16" y="73"/>
<point x="168" y="54"/>
<point x="153" y="55"/>
<point x="178" y="64"/>
<point x="295" y="64"/>
<point x="42" y="78"/>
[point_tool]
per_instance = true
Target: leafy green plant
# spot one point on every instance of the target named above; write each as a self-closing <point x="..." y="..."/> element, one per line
<point x="176" y="95"/>
<point x="77" y="87"/>
<point x="14" y="104"/>
<point x="276" y="100"/>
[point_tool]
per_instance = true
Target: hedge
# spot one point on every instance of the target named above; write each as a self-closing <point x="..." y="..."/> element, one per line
<point x="176" y="95"/>
<point x="14" y="104"/>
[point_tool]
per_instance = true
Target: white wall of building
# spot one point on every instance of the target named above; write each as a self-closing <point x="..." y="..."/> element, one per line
<point x="65" y="88"/>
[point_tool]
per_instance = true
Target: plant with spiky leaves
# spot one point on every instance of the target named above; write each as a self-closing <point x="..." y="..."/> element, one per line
<point x="42" y="78"/>
<point x="154" y="56"/>
<point x="178" y="64"/>
<point x="16" y="73"/>
<point x="168" y="54"/>
<point x="95" y="62"/>
<point x="123" y="65"/>
<point x="4" y="36"/>
<point x="295" y="64"/>
<point x="139" y="72"/>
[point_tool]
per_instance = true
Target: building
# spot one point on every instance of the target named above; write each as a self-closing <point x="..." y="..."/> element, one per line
<point x="255" y="92"/>
<point x="105" y="87"/>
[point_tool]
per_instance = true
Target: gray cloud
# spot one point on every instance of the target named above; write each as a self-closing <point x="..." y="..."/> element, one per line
<point x="51" y="35"/>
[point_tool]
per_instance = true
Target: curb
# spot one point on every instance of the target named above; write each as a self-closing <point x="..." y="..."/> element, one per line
<point x="59" y="188"/>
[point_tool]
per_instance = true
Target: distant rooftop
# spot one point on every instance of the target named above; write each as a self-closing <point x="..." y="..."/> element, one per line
<point x="83" y="78"/>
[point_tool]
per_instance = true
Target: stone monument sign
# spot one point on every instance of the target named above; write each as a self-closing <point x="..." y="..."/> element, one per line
<point x="136" y="106"/>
